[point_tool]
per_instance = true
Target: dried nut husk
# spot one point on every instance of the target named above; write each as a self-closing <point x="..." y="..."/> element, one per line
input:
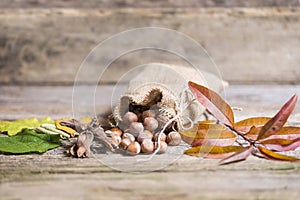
<point x="129" y="117"/>
<point x="133" y="149"/>
<point x="163" y="137"/>
<point x="117" y="130"/>
<point x="144" y="135"/>
<point x="147" y="146"/>
<point x="128" y="135"/>
<point x="113" y="137"/>
<point x="148" y="113"/>
<point x="116" y="139"/>
<point x="150" y="123"/>
<point x="163" y="147"/>
<point x="136" y="128"/>
<point x="125" y="143"/>
<point x="173" y="138"/>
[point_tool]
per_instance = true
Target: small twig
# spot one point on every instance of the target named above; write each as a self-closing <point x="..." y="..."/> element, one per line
<point x="251" y="142"/>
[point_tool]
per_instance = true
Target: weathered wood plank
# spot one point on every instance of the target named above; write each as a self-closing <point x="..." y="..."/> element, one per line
<point x="56" y="101"/>
<point x="61" y="177"/>
<point x="249" y="45"/>
<point x="144" y="3"/>
<point x="53" y="175"/>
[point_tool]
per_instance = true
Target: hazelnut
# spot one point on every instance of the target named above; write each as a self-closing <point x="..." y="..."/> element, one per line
<point x="173" y="138"/>
<point x="125" y="143"/>
<point x="150" y="123"/>
<point x="148" y="113"/>
<point x="147" y="146"/>
<point x="129" y="117"/>
<point x="136" y="128"/>
<point x="163" y="137"/>
<point x="128" y="135"/>
<point x="144" y="135"/>
<point x="134" y="148"/>
<point x="163" y="147"/>
<point x="117" y="130"/>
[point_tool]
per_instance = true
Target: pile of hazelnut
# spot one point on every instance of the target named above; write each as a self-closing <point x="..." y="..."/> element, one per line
<point x="141" y="134"/>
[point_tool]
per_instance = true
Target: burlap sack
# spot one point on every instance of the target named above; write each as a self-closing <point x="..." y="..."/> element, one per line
<point x="164" y="88"/>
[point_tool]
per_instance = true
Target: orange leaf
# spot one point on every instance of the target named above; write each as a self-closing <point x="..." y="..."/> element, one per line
<point x="253" y="132"/>
<point x="209" y="134"/>
<point x="212" y="151"/>
<point x="277" y="122"/>
<point x="240" y="155"/>
<point x="213" y="103"/>
<point x="246" y="124"/>
<point x="271" y="155"/>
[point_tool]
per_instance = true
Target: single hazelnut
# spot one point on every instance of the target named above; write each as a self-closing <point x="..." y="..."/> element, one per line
<point x="173" y="138"/>
<point x="163" y="147"/>
<point x="144" y="135"/>
<point x="128" y="135"/>
<point x="136" y="128"/>
<point x="147" y="146"/>
<point x="125" y="143"/>
<point x="134" y="148"/>
<point x="148" y="113"/>
<point x="129" y="117"/>
<point x="163" y="137"/>
<point x="117" y="130"/>
<point x="150" y="123"/>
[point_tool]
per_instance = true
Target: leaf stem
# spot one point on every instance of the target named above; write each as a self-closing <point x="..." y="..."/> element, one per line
<point x="251" y="142"/>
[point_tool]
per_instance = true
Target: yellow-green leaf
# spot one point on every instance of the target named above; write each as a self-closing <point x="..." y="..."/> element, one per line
<point x="14" y="127"/>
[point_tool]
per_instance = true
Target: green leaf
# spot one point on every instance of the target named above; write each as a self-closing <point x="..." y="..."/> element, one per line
<point x="14" y="127"/>
<point x="28" y="141"/>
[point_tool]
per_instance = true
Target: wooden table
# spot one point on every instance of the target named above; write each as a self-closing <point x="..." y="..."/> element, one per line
<point x="55" y="176"/>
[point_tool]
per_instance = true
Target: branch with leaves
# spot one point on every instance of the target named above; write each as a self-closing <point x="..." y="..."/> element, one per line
<point x="233" y="142"/>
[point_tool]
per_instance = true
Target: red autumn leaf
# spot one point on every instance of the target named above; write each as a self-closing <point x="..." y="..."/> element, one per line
<point x="245" y="125"/>
<point x="271" y="155"/>
<point x="287" y="133"/>
<point x="216" y="152"/>
<point x="282" y="144"/>
<point x="209" y="134"/>
<point x="213" y="103"/>
<point x="240" y="155"/>
<point x="278" y="121"/>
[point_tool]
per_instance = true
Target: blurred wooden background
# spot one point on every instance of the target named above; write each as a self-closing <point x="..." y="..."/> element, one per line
<point x="252" y="42"/>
